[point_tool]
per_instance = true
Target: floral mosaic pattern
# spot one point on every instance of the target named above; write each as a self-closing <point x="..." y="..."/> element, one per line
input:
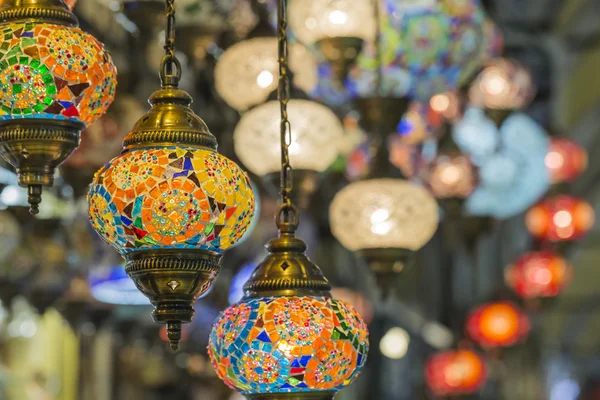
<point x="288" y="344"/>
<point x="171" y="197"/>
<point x="52" y="71"/>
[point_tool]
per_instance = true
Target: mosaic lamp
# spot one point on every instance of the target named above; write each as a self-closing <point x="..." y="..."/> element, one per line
<point x="384" y="220"/>
<point x="455" y="372"/>
<point x="560" y="218"/>
<point x="538" y="274"/>
<point x="338" y="28"/>
<point x="503" y="86"/>
<point x="316" y="134"/>
<point x="245" y="74"/>
<point x="565" y="160"/>
<point x="500" y="324"/>
<point x="170" y="204"/>
<point x="55" y="80"/>
<point x="287" y="339"/>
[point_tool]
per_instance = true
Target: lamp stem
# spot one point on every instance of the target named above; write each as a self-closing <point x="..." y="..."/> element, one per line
<point x="287" y="214"/>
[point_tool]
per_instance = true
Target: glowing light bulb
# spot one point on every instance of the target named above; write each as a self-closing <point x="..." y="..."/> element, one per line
<point x="264" y="79"/>
<point x="439" y="103"/>
<point x="542" y="276"/>
<point x="394" y="343"/>
<point x="554" y="160"/>
<point x="562" y="219"/>
<point x="495" y="85"/>
<point x="379" y="216"/>
<point x="450" y="174"/>
<point x="338" y="17"/>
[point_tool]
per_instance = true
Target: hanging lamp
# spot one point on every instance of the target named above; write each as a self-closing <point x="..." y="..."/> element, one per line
<point x="287" y="338"/>
<point x="338" y="29"/>
<point x="56" y="79"/>
<point x="170" y="204"/>
<point x="383" y="219"/>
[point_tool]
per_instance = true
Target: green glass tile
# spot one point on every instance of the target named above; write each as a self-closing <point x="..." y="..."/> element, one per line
<point x="24" y="60"/>
<point x="39" y="107"/>
<point x="48" y="101"/>
<point x="293" y="381"/>
<point x="209" y="228"/>
<point x="3" y="64"/>
<point x="43" y="69"/>
<point x="8" y="36"/>
<point x="6" y="109"/>
<point x="138" y="223"/>
<point x="335" y="334"/>
<point x="4" y="46"/>
<point x="15" y="51"/>
<point x="27" y="111"/>
<point x="17" y="88"/>
<point x="35" y="63"/>
<point x="13" y="61"/>
<point x="51" y="89"/>
<point x="26" y="42"/>
<point x="29" y="26"/>
<point x="16" y="111"/>
<point x="48" y="79"/>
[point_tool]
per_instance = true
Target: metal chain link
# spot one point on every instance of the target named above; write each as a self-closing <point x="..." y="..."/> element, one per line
<point x="287" y="210"/>
<point x="167" y="75"/>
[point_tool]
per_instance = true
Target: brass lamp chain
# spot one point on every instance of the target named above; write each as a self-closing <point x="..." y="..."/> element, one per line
<point x="168" y="77"/>
<point x="287" y="214"/>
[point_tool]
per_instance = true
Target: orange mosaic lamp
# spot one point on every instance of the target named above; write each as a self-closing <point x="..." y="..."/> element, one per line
<point x="455" y="372"/>
<point x="170" y="204"/>
<point x="54" y="80"/>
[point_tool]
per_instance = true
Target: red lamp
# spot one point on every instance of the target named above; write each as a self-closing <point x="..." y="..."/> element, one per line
<point x="566" y="160"/>
<point x="560" y="218"/>
<point x="455" y="372"/>
<point x="500" y="324"/>
<point x="538" y="274"/>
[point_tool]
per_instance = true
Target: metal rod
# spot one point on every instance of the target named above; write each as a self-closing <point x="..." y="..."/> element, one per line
<point x="283" y="94"/>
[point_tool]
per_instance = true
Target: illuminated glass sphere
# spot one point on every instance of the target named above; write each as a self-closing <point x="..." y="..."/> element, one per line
<point x="538" y="274"/>
<point x="455" y="372"/>
<point x="383" y="213"/>
<point x="560" y="218"/>
<point x="503" y="85"/>
<point x="52" y="71"/>
<point x="500" y="324"/>
<point x="566" y="160"/>
<point x="171" y="197"/>
<point x="313" y="20"/>
<point x="451" y="177"/>
<point x="248" y="71"/>
<point x="10" y="234"/>
<point x="315" y="137"/>
<point x="288" y="344"/>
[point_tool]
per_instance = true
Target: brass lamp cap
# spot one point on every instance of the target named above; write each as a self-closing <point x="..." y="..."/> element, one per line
<point x="341" y="54"/>
<point x="287" y="271"/>
<point x="170" y="121"/>
<point x="381" y="115"/>
<point x="49" y="11"/>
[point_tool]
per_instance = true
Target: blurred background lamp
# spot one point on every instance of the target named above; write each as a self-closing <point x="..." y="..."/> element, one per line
<point x="394" y="344"/>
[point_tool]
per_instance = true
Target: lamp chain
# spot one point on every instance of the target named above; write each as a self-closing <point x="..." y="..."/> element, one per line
<point x="168" y="77"/>
<point x="287" y="213"/>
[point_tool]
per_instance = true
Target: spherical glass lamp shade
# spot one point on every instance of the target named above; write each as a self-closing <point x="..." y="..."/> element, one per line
<point x="315" y="136"/>
<point x="503" y="85"/>
<point x="455" y="372"/>
<point x="538" y="274"/>
<point x="560" y="218"/>
<point x="383" y="213"/>
<point x="500" y="324"/>
<point x="55" y="72"/>
<point x="171" y="198"/>
<point x="566" y="160"/>
<point x="247" y="72"/>
<point x="314" y="20"/>
<point x="10" y="234"/>
<point x="288" y="345"/>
